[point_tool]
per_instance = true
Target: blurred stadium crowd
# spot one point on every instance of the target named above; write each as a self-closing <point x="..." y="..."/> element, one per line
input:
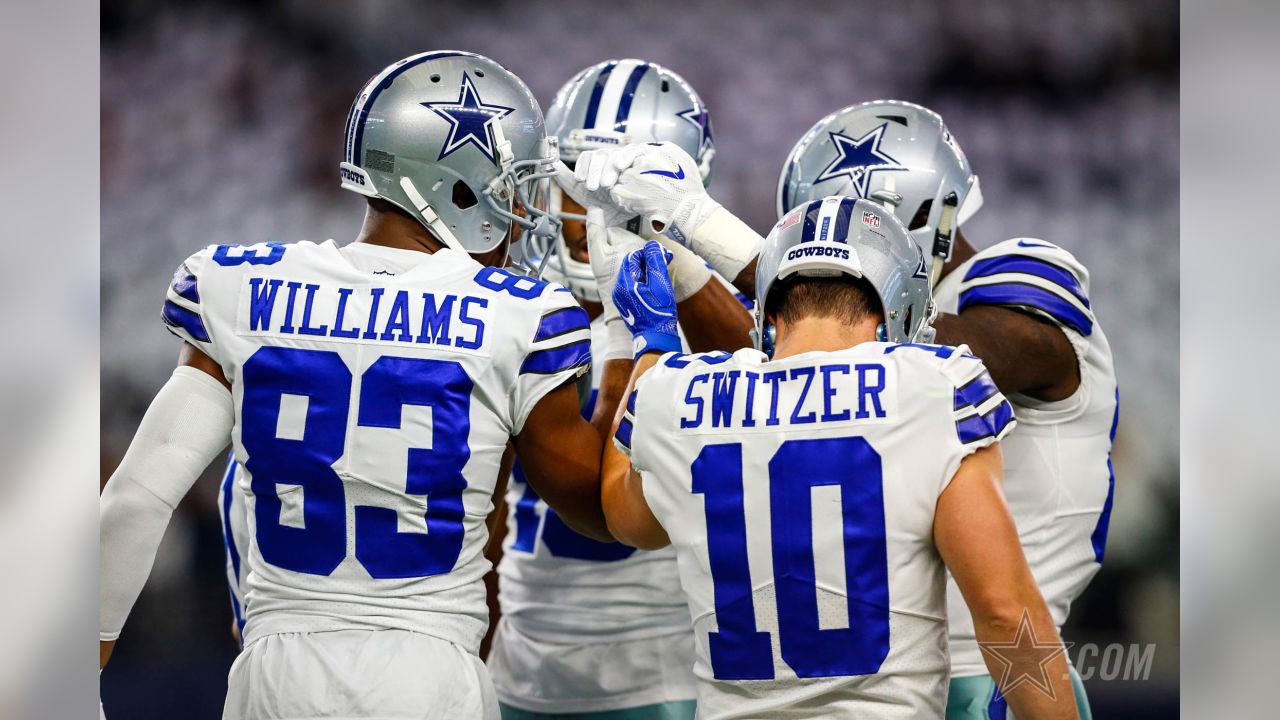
<point x="222" y="123"/>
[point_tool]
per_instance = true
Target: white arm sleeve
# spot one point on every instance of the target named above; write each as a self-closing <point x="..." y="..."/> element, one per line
<point x="186" y="427"/>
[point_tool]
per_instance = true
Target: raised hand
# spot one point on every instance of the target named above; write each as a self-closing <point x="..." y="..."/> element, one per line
<point x="646" y="301"/>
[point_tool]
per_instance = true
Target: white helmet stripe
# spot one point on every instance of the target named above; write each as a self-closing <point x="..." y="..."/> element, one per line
<point x="612" y="94"/>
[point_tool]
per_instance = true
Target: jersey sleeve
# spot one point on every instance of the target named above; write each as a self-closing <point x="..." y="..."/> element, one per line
<point x="183" y="312"/>
<point x="981" y="414"/>
<point x="1032" y="276"/>
<point x="558" y="352"/>
<point x="622" y="438"/>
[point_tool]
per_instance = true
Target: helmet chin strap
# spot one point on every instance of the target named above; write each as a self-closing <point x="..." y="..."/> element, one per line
<point x="943" y="238"/>
<point x="434" y="223"/>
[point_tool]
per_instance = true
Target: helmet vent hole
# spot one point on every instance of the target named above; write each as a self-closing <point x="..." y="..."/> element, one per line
<point x="906" y="320"/>
<point x="922" y="215"/>
<point x="463" y="198"/>
<point x="666" y="86"/>
<point x="479" y="72"/>
<point x="435" y="78"/>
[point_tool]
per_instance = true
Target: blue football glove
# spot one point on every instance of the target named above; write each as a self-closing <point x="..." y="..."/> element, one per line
<point x="646" y="301"/>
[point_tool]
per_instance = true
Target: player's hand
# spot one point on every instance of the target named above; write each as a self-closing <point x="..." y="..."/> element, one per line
<point x="661" y="182"/>
<point x="646" y="301"/>
<point x="589" y="182"/>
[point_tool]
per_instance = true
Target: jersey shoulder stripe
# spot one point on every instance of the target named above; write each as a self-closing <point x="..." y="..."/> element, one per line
<point x="1035" y="276"/>
<point x="622" y="438"/>
<point x="182" y="312"/>
<point x="558" y="359"/>
<point x="981" y="413"/>
<point x="561" y="321"/>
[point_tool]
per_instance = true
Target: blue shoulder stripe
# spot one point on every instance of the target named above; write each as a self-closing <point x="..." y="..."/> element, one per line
<point x="977" y="427"/>
<point x="561" y="322"/>
<point x="177" y="316"/>
<point x="1032" y="296"/>
<point x="558" y="359"/>
<point x="184" y="283"/>
<point x="624" y="433"/>
<point x="631" y="402"/>
<point x="1030" y="266"/>
<point x="976" y="391"/>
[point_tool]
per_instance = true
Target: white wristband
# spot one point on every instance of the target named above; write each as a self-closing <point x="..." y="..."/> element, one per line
<point x="689" y="273"/>
<point x="617" y="338"/>
<point x="726" y="243"/>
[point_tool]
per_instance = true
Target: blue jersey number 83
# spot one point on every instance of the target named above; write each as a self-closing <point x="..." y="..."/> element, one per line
<point x="389" y="384"/>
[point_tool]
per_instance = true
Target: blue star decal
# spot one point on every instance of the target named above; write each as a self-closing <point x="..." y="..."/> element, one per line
<point x="859" y="159"/>
<point x="471" y="119"/>
<point x="701" y="119"/>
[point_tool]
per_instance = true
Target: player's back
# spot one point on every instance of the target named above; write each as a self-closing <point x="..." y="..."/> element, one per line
<point x="375" y="391"/>
<point x="800" y="496"/>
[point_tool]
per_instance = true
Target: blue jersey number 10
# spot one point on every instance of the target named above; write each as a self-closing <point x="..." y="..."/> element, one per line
<point x="320" y="545"/>
<point x="739" y="651"/>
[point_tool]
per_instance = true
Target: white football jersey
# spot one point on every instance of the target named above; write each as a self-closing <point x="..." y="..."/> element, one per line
<point x="1058" y="477"/>
<point x="375" y="390"/>
<point x="799" y="495"/>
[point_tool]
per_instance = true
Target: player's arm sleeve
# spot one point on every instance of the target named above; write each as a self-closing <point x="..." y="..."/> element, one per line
<point x="183" y="312"/>
<point x="979" y="411"/>
<point x="559" y="352"/>
<point x="187" y="425"/>
<point x="1034" y="277"/>
<point x="626" y="436"/>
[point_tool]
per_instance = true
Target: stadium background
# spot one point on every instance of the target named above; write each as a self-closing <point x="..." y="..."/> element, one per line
<point x="222" y="123"/>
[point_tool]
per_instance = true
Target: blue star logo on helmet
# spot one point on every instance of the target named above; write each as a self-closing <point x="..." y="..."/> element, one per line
<point x="859" y="159"/>
<point x="471" y="119"/>
<point x="701" y="119"/>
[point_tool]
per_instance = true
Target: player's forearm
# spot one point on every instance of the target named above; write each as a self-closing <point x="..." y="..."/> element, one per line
<point x="626" y="510"/>
<point x="132" y="524"/>
<point x="713" y="319"/>
<point x="184" y="429"/>
<point x="613" y="388"/>
<point x="730" y="246"/>
<point x="1023" y="644"/>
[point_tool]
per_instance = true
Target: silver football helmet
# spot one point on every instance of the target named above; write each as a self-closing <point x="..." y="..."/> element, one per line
<point x="897" y="152"/>
<point x="616" y="103"/>
<point x="458" y="142"/>
<point x="848" y="236"/>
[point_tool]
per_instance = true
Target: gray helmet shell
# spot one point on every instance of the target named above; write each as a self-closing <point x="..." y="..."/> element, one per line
<point x="849" y="236"/>
<point x="621" y="102"/>
<point x="891" y="150"/>
<point x="612" y="104"/>
<point x="453" y="139"/>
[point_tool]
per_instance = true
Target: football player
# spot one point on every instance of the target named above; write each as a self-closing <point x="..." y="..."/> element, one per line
<point x="370" y="391"/>
<point x="590" y="629"/>
<point x="813" y="497"/>
<point x="1021" y="305"/>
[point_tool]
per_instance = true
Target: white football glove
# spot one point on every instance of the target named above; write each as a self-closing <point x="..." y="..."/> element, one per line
<point x="661" y="183"/>
<point x="606" y="248"/>
<point x="593" y="175"/>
